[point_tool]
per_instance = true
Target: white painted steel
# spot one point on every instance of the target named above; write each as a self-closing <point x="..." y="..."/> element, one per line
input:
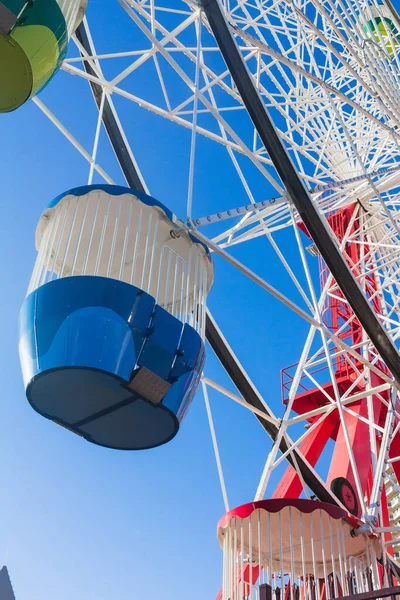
<point x="122" y="238"/>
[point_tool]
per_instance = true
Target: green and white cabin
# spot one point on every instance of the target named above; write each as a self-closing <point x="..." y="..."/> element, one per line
<point x="34" y="37"/>
<point x="383" y="26"/>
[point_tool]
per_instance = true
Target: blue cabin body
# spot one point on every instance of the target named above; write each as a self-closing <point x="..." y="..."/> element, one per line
<point x="103" y="359"/>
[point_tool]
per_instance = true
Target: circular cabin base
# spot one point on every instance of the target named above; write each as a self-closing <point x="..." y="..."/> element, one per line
<point x="101" y="408"/>
<point x="15" y="75"/>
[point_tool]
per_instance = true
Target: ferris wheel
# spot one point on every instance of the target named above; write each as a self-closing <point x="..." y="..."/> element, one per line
<point x="302" y="97"/>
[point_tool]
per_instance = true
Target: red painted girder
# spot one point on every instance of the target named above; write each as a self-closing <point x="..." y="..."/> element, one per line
<point x="359" y="439"/>
<point x="311" y="448"/>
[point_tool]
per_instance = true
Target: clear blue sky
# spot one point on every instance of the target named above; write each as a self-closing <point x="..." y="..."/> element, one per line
<point x="86" y="523"/>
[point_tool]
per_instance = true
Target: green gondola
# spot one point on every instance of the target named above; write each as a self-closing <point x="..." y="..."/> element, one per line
<point x="33" y="42"/>
<point x="383" y="28"/>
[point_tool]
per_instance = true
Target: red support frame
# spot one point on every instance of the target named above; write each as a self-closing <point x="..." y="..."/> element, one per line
<point x="337" y="315"/>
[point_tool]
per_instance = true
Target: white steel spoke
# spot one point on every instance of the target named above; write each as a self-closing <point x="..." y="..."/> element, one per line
<point x="215" y="446"/>
<point x="71" y="139"/>
<point x="240" y="401"/>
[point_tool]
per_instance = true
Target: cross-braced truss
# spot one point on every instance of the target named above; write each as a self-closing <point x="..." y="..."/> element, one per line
<point x="329" y="77"/>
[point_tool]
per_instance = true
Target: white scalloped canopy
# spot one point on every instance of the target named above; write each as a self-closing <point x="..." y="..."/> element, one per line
<point x="293" y="534"/>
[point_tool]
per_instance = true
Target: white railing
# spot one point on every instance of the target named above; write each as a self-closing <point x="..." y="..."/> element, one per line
<point x="122" y="238"/>
<point x="293" y="553"/>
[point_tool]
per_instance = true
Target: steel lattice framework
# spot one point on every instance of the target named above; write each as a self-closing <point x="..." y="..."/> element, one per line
<point x="329" y="78"/>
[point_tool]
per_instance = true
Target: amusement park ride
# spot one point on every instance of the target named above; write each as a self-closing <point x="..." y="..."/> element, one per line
<point x="114" y="324"/>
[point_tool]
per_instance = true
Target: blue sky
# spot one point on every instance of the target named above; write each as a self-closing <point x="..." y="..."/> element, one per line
<point x="83" y="522"/>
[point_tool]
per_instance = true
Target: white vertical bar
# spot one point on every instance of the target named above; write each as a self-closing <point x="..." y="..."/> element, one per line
<point x="48" y="259"/>
<point x="374" y="566"/>
<point x="103" y="232"/>
<point x="127" y="231"/>
<point x="363" y="575"/>
<point x="41" y="257"/>
<point x="194" y="319"/>
<point x="241" y="582"/>
<point x="331" y="541"/>
<point x="78" y="243"/>
<point x="135" y="252"/>
<point x="281" y="556"/>
<point x="152" y="256"/>
<point x="273" y="579"/>
<point x="259" y="546"/>
<point x="174" y="287"/>
<point x="168" y="278"/>
<point x="352" y="581"/>
<point x="303" y="560"/>
<point x="236" y="592"/>
<point x="198" y="307"/>
<point x="68" y="242"/>
<point x="356" y="574"/>
<point x="146" y="250"/>
<point x="181" y="314"/>
<point x="231" y="563"/>
<point x="343" y="582"/>
<point x="316" y="586"/>
<point x="291" y="541"/>
<point x="323" y="553"/>
<point x="200" y="304"/>
<point x="160" y="274"/>
<point x="90" y="240"/>
<point x="250" y="555"/>
<point x="204" y="301"/>
<point x="188" y="290"/>
<point x="343" y="546"/>
<point x="66" y="210"/>
<point x="224" y="569"/>
<point x="116" y="226"/>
